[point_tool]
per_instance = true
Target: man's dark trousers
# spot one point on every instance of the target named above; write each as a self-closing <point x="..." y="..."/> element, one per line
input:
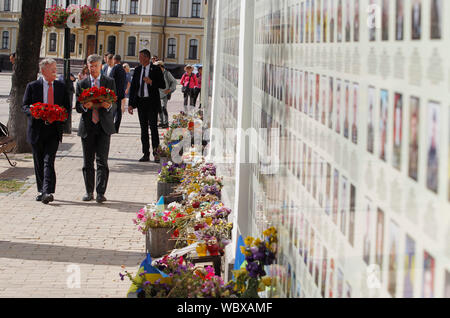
<point x="148" y="117"/>
<point x="96" y="147"/>
<point x="44" y="154"/>
<point x="118" y="115"/>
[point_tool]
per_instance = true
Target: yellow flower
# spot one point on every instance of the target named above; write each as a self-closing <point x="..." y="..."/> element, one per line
<point x="243" y="250"/>
<point x="249" y="240"/>
<point x="257" y="242"/>
<point x="267" y="281"/>
<point x="209" y="221"/>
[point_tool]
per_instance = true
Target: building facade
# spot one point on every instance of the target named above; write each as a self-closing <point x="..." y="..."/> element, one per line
<point x="170" y="29"/>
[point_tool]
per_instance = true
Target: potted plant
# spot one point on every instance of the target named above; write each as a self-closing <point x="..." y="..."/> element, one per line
<point x="169" y="178"/>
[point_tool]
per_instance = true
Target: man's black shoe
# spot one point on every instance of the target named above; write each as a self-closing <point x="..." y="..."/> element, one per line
<point x="100" y="198"/>
<point x="145" y="158"/>
<point x="47" y="198"/>
<point x="39" y="197"/>
<point x="88" y="197"/>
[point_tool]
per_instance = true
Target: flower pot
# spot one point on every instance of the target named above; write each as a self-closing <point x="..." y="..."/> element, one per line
<point x="158" y="242"/>
<point x="164" y="188"/>
<point x="173" y="197"/>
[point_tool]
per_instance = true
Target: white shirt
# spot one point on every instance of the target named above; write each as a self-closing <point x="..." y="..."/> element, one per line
<point x="46" y="86"/>
<point x="145" y="70"/>
<point x="108" y="71"/>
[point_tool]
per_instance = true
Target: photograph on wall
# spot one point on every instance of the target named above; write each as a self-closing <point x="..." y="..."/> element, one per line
<point x="317" y="262"/>
<point x="324" y="271"/>
<point x="371" y="120"/>
<point x="307" y="19"/>
<point x="304" y="165"/>
<point x="317" y="99"/>
<point x="321" y="181"/>
<point x="332" y="19"/>
<point x="306" y="243"/>
<point x="383" y="122"/>
<point x="314" y="173"/>
<point x="335" y="196"/>
<point x="306" y="93"/>
<point x="372" y="20"/>
<point x="311" y="95"/>
<point x="433" y="146"/>
<point x="416" y="19"/>
<point x="338" y="106"/>
<point x="355" y="113"/>
<point x="351" y="227"/>
<point x="325" y="20"/>
<point x="379" y="241"/>
<point x="340" y="283"/>
<point x="344" y="207"/>
<point x="302" y="22"/>
<point x="409" y="268"/>
<point x="436" y="19"/>
<point x="347" y="109"/>
<point x="331" y="293"/>
<point x="385" y="20"/>
<point x="318" y="21"/>
<point x="312" y="251"/>
<point x="313" y="23"/>
<point x="393" y="244"/>
<point x="398" y="128"/>
<point x="348" y="290"/>
<point x="367" y="236"/>
<point x="331" y="100"/>
<point x="447" y="285"/>
<point x="428" y="278"/>
<point x="356" y="21"/>
<point x="309" y="171"/>
<point x="347" y="21"/>
<point x="323" y="103"/>
<point x="399" y="19"/>
<point x="339" y="21"/>
<point x="414" y="124"/>
<point x="328" y="191"/>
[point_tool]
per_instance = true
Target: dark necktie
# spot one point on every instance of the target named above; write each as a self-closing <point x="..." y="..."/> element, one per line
<point x="143" y="82"/>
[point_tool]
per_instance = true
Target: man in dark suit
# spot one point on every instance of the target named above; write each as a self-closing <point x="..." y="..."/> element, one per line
<point x="144" y="95"/>
<point x="120" y="77"/>
<point x="105" y="64"/>
<point x="95" y="129"/>
<point x="44" y="138"/>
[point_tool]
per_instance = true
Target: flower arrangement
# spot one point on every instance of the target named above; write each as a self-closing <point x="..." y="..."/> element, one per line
<point x="185" y="281"/>
<point x="152" y="217"/>
<point x="258" y="254"/>
<point x="48" y="112"/>
<point x="171" y="172"/>
<point x="57" y="16"/>
<point x="97" y="95"/>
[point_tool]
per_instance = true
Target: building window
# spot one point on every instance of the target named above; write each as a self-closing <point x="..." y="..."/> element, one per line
<point x="5" y="40"/>
<point x="193" y="47"/>
<point x="174" y="4"/>
<point x="54" y="3"/>
<point x="172" y="47"/>
<point x="131" y="46"/>
<point x="134" y="7"/>
<point x="114" y="6"/>
<point x="52" y="46"/>
<point x="112" y="44"/>
<point x="72" y="43"/>
<point x="196" y="8"/>
<point x="94" y="3"/>
<point x="7" y="5"/>
<point x="73" y="2"/>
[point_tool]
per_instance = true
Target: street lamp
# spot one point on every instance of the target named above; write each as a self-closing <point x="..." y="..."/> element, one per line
<point x="68" y="123"/>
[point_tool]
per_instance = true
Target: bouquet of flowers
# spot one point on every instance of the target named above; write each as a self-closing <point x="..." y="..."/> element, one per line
<point x="171" y="172"/>
<point x="151" y="217"/>
<point x="57" y="16"/>
<point x="48" y="112"/>
<point x="97" y="96"/>
<point x="89" y="15"/>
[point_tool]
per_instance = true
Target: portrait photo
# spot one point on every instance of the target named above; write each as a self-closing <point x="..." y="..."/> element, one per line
<point x="383" y="123"/>
<point x="344" y="205"/>
<point x="331" y="292"/>
<point x="393" y="245"/>
<point x="433" y="147"/>
<point x="346" y="109"/>
<point x="416" y="19"/>
<point x="436" y="19"/>
<point x="335" y="196"/>
<point x="338" y="106"/>
<point x="373" y="25"/>
<point x="399" y="19"/>
<point x="313" y="23"/>
<point x="414" y="126"/>
<point x="339" y="21"/>
<point x="325" y="20"/>
<point x="323" y="103"/>
<point x="348" y="27"/>
<point x="398" y="127"/>
<point x="324" y="271"/>
<point x="355" y="103"/>
<point x="351" y="226"/>
<point x="409" y="267"/>
<point x="379" y="241"/>
<point x="307" y="20"/>
<point x="428" y="278"/>
<point x="332" y="19"/>
<point x="371" y="120"/>
<point x="356" y="21"/>
<point x="385" y="20"/>
<point x="340" y="283"/>
<point x="367" y="236"/>
<point x="330" y="102"/>
<point x="318" y="21"/>
<point x="328" y="190"/>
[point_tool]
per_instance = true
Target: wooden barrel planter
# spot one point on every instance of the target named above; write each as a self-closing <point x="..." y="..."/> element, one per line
<point x="164" y="188"/>
<point x="158" y="242"/>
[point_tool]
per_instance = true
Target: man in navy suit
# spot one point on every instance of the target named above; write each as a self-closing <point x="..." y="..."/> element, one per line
<point x="120" y="77"/>
<point x="95" y="129"/>
<point x="144" y="95"/>
<point x="45" y="138"/>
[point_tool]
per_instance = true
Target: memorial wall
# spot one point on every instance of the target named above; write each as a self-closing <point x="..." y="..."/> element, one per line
<point x="358" y="95"/>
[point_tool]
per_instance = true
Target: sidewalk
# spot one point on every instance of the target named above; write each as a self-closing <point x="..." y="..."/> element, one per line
<point x="39" y="244"/>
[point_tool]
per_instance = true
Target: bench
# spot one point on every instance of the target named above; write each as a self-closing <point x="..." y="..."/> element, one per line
<point x="7" y="144"/>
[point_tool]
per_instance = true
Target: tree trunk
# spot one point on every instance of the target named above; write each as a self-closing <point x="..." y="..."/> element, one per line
<point x="26" y="68"/>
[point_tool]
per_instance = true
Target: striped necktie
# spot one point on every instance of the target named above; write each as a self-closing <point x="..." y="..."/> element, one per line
<point x="95" y="115"/>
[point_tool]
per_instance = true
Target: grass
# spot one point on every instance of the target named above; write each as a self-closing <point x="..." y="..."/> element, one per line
<point x="9" y="186"/>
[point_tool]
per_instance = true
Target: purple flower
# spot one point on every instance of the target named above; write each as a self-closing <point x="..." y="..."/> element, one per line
<point x="121" y="276"/>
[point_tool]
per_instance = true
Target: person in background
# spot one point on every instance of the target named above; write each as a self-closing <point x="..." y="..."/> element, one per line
<point x="105" y="63"/>
<point x="189" y="82"/>
<point x="197" y="92"/>
<point x="165" y="94"/>
<point x="83" y="73"/>
<point x="110" y="63"/>
<point x="12" y="58"/>
<point x="126" y="67"/>
<point x="120" y="77"/>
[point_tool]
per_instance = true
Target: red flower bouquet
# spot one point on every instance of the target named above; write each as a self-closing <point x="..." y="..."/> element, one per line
<point x="57" y="16"/>
<point x="48" y="112"/>
<point x="97" y="96"/>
